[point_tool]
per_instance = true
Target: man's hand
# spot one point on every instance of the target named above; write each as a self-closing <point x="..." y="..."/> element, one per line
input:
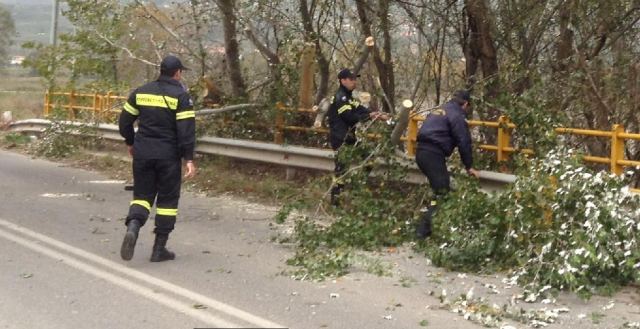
<point x="375" y="115"/>
<point x="191" y="170"/>
<point x="473" y="172"/>
<point x="130" y="147"/>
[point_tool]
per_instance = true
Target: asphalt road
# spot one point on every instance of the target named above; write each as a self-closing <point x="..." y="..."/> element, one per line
<point x="60" y="234"/>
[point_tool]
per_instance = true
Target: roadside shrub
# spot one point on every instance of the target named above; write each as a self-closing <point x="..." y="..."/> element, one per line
<point x="376" y="211"/>
<point x="559" y="226"/>
<point x="62" y="138"/>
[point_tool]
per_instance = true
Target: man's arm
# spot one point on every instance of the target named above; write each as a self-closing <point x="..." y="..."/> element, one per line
<point x="186" y="127"/>
<point x="352" y="112"/>
<point x="462" y="136"/>
<point x="128" y="116"/>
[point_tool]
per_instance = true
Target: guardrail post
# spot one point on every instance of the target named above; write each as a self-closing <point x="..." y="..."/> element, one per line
<point x="47" y="103"/>
<point x="72" y="101"/>
<point x="96" y="107"/>
<point x="617" y="149"/>
<point x="107" y="105"/>
<point x="504" y="137"/>
<point x="412" y="133"/>
<point x="278" y="136"/>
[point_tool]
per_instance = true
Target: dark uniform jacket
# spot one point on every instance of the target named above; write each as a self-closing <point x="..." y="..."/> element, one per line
<point x="344" y="113"/>
<point x="166" y="121"/>
<point x="447" y="128"/>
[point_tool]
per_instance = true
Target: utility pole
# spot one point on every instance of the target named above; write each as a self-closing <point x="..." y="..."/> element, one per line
<point x="54" y="22"/>
<point x="53" y="40"/>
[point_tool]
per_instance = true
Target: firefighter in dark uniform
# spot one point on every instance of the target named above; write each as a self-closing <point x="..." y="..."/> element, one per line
<point x="344" y="113"/>
<point x="443" y="130"/>
<point x="165" y="136"/>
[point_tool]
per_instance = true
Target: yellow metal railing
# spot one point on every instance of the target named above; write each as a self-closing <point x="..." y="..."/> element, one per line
<point x="503" y="148"/>
<point x="100" y="107"/>
<point x="105" y="106"/>
<point x="617" y="135"/>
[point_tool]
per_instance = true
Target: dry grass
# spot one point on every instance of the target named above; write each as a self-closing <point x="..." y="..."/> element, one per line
<point x="262" y="182"/>
<point x="21" y="94"/>
<point x="22" y="105"/>
<point x="19" y="79"/>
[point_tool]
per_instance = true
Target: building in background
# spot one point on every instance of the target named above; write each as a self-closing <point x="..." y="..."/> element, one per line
<point x="16" y="60"/>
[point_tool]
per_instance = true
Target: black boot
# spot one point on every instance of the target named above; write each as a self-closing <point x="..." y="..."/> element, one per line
<point x="335" y="195"/>
<point x="130" y="238"/>
<point x="160" y="252"/>
<point x="424" y="227"/>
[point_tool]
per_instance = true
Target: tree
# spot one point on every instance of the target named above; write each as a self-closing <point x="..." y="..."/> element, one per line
<point x="232" y="47"/>
<point x="310" y="35"/>
<point x="8" y="31"/>
<point x="384" y="61"/>
<point x="479" y="47"/>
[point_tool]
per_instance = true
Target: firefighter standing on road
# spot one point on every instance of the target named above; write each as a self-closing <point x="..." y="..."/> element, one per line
<point x="344" y="113"/>
<point x="443" y="130"/>
<point x="166" y="134"/>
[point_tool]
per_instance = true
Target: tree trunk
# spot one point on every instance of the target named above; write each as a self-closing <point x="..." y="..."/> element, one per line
<point x="232" y="52"/>
<point x="310" y="35"/>
<point x="469" y="40"/>
<point x="482" y="45"/>
<point x="114" y="67"/>
<point x="564" y="47"/>
<point x="388" y="56"/>
<point x="365" y="25"/>
<point x="202" y="53"/>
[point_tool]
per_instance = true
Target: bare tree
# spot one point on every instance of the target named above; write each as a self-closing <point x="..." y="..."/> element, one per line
<point x="232" y="49"/>
<point x="383" y="65"/>
<point x="311" y="35"/>
<point x="479" y="49"/>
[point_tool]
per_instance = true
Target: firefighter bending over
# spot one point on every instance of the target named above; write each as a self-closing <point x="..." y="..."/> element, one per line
<point x="443" y="130"/>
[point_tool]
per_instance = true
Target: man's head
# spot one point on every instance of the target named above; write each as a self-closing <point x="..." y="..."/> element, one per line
<point x="462" y="98"/>
<point x="348" y="79"/>
<point x="172" y="67"/>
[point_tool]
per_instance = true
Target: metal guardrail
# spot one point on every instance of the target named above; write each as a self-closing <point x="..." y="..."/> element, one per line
<point x="103" y="106"/>
<point x="286" y="155"/>
<point x="502" y="148"/>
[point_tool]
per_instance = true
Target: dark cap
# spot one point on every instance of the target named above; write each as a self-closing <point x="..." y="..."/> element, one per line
<point x="347" y="74"/>
<point x="463" y="95"/>
<point x="171" y="63"/>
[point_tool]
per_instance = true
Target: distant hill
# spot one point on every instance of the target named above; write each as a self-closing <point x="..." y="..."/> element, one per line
<point x="33" y="22"/>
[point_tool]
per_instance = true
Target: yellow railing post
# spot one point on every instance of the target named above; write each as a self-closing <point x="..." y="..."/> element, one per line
<point x="504" y="137"/>
<point x="96" y="107"/>
<point x="108" y="102"/>
<point x="72" y="101"/>
<point x="617" y="149"/>
<point x="412" y="133"/>
<point x="47" y="103"/>
<point x="107" y="105"/>
<point x="278" y="136"/>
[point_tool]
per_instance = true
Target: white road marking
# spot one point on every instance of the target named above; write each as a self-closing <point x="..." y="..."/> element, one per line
<point x="60" y="195"/>
<point x="107" y="181"/>
<point x="126" y="284"/>
<point x="131" y="273"/>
